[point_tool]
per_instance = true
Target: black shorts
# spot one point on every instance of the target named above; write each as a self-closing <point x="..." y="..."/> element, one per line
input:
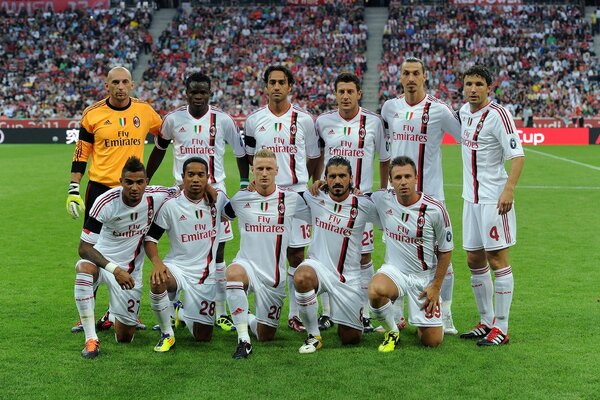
<point x="93" y="191"/>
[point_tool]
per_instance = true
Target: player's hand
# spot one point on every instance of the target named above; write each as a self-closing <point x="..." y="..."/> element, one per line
<point x="210" y="194"/>
<point x="251" y="186"/>
<point x="316" y="186"/>
<point x="160" y="274"/>
<point x="432" y="299"/>
<point x="505" y="202"/>
<point x="356" y="191"/>
<point x="75" y="204"/>
<point x="123" y="278"/>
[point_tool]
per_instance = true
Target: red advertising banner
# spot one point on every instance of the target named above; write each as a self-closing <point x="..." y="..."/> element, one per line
<point x="588" y="122"/>
<point x="39" y="123"/>
<point x="545" y="136"/>
<point x="487" y="2"/>
<point x="57" y="5"/>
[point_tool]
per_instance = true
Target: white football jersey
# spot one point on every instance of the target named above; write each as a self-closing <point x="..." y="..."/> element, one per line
<point x="204" y="137"/>
<point x="192" y="228"/>
<point x="117" y="230"/>
<point x="357" y="140"/>
<point x="489" y="138"/>
<point x="417" y="132"/>
<point x="411" y="233"/>
<point x="264" y="223"/>
<point x="337" y="230"/>
<point x="292" y="137"/>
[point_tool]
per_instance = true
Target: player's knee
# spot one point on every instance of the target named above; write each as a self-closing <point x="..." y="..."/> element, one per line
<point x="295" y="256"/>
<point x="304" y="279"/>
<point x="86" y="267"/>
<point x="265" y="333"/>
<point x="432" y="337"/>
<point x="375" y="291"/>
<point x="365" y="259"/>
<point x="349" y="336"/>
<point x="234" y="273"/>
<point x="203" y="333"/>
<point x="476" y="259"/>
<point x="125" y="336"/>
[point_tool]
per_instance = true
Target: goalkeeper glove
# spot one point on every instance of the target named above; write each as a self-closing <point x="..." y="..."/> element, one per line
<point x="75" y="205"/>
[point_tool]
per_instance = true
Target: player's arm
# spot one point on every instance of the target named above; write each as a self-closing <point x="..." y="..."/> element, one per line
<point x="83" y="149"/>
<point x="88" y="252"/>
<point x="384" y="168"/>
<point x="160" y="272"/>
<point x="432" y="292"/>
<point x="157" y="155"/>
<point x="243" y="165"/>
<point x="507" y="197"/>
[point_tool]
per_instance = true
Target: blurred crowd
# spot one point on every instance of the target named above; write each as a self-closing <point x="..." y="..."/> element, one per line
<point x="542" y="54"/>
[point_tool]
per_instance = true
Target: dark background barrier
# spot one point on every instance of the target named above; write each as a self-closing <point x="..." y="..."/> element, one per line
<point x="42" y="135"/>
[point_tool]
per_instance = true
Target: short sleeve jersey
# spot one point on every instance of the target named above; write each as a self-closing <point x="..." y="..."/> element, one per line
<point x="412" y="232"/>
<point x="417" y="132"/>
<point x="489" y="138"/>
<point x="337" y="232"/>
<point x="264" y="223"/>
<point x="110" y="136"/>
<point x="192" y="227"/>
<point x="358" y="140"/>
<point x="293" y="139"/>
<point x="203" y="137"/>
<point x="120" y="235"/>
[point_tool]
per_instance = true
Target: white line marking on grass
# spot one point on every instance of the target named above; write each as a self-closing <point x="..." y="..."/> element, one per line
<point x="563" y="159"/>
<point x="541" y="187"/>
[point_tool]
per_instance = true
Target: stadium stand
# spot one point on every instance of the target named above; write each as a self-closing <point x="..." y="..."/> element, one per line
<point x="52" y="65"/>
<point x="542" y="54"/>
<point x="235" y="45"/>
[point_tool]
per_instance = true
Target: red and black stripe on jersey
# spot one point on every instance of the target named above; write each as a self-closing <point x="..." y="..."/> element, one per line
<point x="293" y="130"/>
<point x="140" y="244"/>
<point x="209" y="256"/>
<point x="474" y="157"/>
<point x="279" y="240"/>
<point x="421" y="160"/>
<point x="420" y="225"/>
<point x="362" y="134"/>
<point x="346" y="240"/>
<point x="212" y="134"/>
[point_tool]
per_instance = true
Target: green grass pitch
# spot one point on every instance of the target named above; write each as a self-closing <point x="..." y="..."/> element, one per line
<point x="554" y="350"/>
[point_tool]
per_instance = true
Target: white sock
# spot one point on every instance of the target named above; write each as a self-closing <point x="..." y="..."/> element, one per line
<point x="85" y="301"/>
<point x="238" y="304"/>
<point x="161" y="305"/>
<point x="504" y="285"/>
<point x="447" y="289"/>
<point x="220" y="308"/>
<point x="399" y="309"/>
<point x="291" y="292"/>
<point x="366" y="274"/>
<point x="253" y="324"/>
<point x="325" y="304"/>
<point x="385" y="316"/>
<point x="308" y="309"/>
<point x="483" y="289"/>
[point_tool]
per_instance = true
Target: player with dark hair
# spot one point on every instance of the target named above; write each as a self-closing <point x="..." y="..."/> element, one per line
<point x="289" y="132"/>
<point x="111" y="253"/>
<point x="201" y="130"/>
<point x="489" y="138"/>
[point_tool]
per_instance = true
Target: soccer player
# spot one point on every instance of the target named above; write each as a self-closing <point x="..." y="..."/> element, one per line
<point x="489" y="138"/>
<point x="199" y="129"/>
<point x="111" y="253"/>
<point x="192" y="224"/>
<point x="333" y="265"/>
<point x="111" y="131"/>
<point x="357" y="134"/>
<point x="265" y="221"/>
<point x="290" y="133"/>
<point x="418" y="250"/>
<point x="416" y="123"/>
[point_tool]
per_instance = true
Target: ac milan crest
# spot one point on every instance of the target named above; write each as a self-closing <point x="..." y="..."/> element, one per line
<point x="426" y="118"/>
<point x="421" y="221"/>
<point x="213" y="130"/>
<point x="213" y="212"/>
<point x="281" y="208"/>
<point x="362" y="133"/>
<point x="293" y="129"/>
<point x="136" y="121"/>
<point x="353" y="212"/>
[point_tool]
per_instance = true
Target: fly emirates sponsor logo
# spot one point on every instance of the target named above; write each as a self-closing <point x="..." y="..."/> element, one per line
<point x="265" y="225"/>
<point x="333" y="225"/>
<point x="408" y="133"/>
<point x="402" y="236"/>
<point x="280" y="146"/>
<point x="203" y="232"/>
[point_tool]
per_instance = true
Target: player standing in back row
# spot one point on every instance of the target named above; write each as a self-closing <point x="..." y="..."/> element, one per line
<point x="416" y="123"/>
<point x="489" y="138"/>
<point x="289" y="132"/>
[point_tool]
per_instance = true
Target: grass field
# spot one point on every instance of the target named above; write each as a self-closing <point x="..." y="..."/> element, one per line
<point x="554" y="351"/>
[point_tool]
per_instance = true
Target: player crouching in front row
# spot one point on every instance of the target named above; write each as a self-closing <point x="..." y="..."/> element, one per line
<point x="413" y="223"/>
<point x="191" y="222"/>
<point x="110" y="253"/>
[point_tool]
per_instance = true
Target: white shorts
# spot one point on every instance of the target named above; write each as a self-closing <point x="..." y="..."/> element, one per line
<point x="483" y="228"/>
<point x="367" y="239"/>
<point x="123" y="305"/>
<point x="411" y="286"/>
<point x="345" y="299"/>
<point x="225" y="233"/>
<point x="199" y="299"/>
<point x="268" y="300"/>
<point x="300" y="234"/>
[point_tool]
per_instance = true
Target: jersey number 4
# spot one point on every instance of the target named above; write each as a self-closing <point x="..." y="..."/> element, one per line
<point x="494" y="233"/>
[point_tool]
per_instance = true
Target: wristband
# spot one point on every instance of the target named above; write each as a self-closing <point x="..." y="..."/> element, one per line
<point x="110" y="267"/>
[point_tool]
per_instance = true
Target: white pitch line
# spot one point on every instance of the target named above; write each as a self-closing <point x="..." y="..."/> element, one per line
<point x="541" y="187"/>
<point x="563" y="159"/>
